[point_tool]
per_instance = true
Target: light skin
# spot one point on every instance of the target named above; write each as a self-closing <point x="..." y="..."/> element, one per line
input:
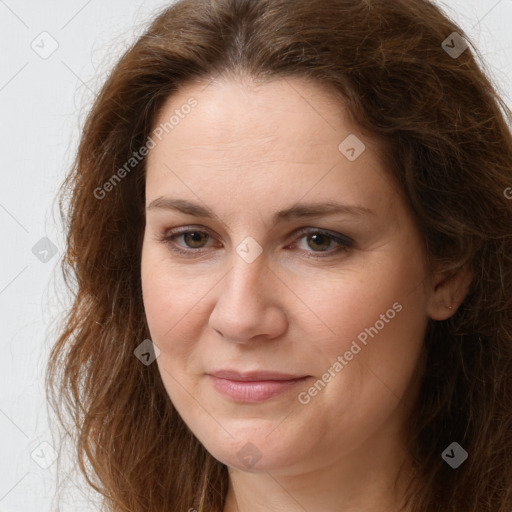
<point x="247" y="151"/>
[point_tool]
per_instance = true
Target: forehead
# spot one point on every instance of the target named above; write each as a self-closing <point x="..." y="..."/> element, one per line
<point x="239" y="117"/>
<point x="286" y="132"/>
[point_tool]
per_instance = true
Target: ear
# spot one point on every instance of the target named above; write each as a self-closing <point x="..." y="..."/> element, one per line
<point x="448" y="290"/>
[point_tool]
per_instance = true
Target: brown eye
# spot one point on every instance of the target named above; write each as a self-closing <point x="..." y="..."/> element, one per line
<point x="319" y="241"/>
<point x="194" y="242"/>
<point x="193" y="239"/>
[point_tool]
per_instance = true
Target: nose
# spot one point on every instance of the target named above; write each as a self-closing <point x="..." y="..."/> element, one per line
<point x="248" y="304"/>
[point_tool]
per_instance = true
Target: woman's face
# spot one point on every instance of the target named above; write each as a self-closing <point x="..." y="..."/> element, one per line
<point x="279" y="252"/>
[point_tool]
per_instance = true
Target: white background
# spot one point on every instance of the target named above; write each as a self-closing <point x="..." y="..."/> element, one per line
<point x="43" y="105"/>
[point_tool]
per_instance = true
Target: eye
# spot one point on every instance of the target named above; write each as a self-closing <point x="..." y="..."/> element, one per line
<point x="194" y="240"/>
<point x="320" y="241"/>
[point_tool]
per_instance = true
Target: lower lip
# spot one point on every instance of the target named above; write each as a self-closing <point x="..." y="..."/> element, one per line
<point x="253" y="391"/>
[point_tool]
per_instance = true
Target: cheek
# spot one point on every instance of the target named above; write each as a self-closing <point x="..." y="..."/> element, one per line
<point x="354" y="298"/>
<point x="377" y="322"/>
<point x="173" y="307"/>
<point x="175" y="303"/>
<point x="375" y="319"/>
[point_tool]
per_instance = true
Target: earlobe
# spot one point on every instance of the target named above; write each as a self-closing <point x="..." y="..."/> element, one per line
<point x="448" y="290"/>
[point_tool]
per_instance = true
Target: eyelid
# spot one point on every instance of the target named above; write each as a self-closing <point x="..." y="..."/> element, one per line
<point x="339" y="237"/>
<point x="169" y="235"/>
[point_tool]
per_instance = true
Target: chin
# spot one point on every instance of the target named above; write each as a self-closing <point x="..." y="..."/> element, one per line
<point x="253" y="452"/>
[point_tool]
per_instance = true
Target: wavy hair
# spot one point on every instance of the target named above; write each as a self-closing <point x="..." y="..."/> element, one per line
<point x="445" y="136"/>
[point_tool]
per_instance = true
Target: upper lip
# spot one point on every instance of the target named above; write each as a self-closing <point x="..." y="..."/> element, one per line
<point x="254" y="375"/>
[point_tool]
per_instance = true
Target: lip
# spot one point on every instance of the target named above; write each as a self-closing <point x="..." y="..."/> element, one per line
<point x="254" y="376"/>
<point x="254" y="386"/>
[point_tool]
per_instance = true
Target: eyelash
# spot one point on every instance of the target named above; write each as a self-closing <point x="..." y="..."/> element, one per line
<point x="344" y="242"/>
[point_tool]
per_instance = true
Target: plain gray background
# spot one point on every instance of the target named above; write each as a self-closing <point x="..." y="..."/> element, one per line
<point x="44" y="97"/>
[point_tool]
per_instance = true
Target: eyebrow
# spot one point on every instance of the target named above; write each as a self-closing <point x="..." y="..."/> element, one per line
<point x="298" y="211"/>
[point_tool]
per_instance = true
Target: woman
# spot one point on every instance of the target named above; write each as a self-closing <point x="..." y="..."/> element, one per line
<point x="290" y="233"/>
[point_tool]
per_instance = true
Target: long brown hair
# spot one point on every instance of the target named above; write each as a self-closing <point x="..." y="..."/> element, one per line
<point x="445" y="137"/>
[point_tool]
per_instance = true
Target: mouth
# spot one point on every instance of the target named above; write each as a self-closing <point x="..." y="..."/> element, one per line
<point x="251" y="387"/>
